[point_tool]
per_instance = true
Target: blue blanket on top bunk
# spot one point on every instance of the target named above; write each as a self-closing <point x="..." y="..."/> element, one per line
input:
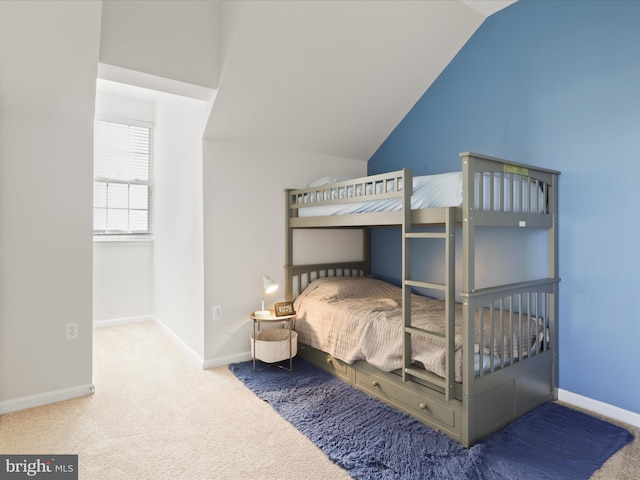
<point x="371" y="440"/>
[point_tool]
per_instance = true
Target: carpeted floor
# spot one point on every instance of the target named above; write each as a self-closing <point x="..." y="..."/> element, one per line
<point x="157" y="416"/>
<point x="374" y="441"/>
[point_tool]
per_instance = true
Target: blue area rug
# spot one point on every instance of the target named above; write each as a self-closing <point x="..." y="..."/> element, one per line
<point x="371" y="440"/>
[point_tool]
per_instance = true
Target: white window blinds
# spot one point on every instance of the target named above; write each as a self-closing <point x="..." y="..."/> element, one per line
<point x="122" y="173"/>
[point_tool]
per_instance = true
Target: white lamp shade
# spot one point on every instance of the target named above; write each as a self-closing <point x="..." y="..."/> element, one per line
<point x="269" y="285"/>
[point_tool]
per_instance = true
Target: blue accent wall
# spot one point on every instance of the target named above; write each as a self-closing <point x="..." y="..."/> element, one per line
<point x="555" y="84"/>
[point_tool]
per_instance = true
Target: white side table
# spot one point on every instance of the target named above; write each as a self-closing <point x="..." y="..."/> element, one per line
<point x="287" y="321"/>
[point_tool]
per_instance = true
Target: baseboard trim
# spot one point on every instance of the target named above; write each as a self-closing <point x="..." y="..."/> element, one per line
<point x="45" y="398"/>
<point x="200" y="362"/>
<point x="112" y="322"/>
<point x="179" y="342"/>
<point x="221" y="361"/>
<point x="601" y="408"/>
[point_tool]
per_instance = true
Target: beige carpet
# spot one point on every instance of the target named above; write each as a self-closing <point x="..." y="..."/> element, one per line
<point x="157" y="416"/>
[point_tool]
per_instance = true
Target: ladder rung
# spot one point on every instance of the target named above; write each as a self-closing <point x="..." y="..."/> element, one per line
<point x="425" y="235"/>
<point x="425" y="333"/>
<point x="424" y="375"/>
<point x="434" y="286"/>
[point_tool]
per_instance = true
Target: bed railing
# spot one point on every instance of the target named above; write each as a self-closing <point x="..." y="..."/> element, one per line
<point x="385" y="187"/>
<point x="375" y="187"/>
<point x="496" y="193"/>
<point x="298" y="277"/>
<point x="507" y="194"/>
<point x="509" y="324"/>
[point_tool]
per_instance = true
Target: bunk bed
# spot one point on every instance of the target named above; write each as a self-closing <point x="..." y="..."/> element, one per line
<point x="473" y="366"/>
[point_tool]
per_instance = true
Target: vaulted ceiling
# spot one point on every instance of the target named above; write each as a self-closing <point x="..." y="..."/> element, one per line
<point x="333" y="77"/>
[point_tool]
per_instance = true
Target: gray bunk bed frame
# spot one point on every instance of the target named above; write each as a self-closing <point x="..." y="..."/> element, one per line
<point x="496" y="394"/>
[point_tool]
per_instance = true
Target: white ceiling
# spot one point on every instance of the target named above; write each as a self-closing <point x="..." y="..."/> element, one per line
<point x="333" y="77"/>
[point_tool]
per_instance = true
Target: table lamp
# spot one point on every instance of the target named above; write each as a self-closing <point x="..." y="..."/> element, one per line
<point x="269" y="286"/>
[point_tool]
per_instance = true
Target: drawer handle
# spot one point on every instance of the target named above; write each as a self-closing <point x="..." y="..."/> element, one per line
<point x="375" y="383"/>
<point x="328" y="359"/>
<point x="424" y="406"/>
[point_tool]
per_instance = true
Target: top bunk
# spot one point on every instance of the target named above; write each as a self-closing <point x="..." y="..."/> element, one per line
<point x="488" y="191"/>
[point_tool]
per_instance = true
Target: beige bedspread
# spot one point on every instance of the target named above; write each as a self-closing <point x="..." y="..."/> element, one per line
<point x="361" y="319"/>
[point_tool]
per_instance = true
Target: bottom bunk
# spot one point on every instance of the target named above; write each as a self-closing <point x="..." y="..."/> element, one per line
<point x="499" y="364"/>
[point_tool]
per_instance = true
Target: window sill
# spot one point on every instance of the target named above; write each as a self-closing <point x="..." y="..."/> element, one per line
<point x="122" y="240"/>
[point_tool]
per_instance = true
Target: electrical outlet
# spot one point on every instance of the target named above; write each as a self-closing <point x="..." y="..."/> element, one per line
<point x="217" y="312"/>
<point x="72" y="331"/>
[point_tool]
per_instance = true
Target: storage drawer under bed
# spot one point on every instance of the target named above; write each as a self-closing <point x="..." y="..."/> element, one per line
<point x="410" y="397"/>
<point x="325" y="361"/>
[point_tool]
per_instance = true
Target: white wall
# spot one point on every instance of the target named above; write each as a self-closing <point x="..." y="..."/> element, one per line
<point x="176" y="39"/>
<point x="244" y="232"/>
<point x="46" y="143"/>
<point x="122" y="279"/>
<point x="125" y="102"/>
<point x="177" y="219"/>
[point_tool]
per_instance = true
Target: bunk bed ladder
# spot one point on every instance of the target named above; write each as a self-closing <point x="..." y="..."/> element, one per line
<point x="448" y="289"/>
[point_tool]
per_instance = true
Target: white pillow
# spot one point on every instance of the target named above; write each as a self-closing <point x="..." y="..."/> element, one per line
<point x="326" y="180"/>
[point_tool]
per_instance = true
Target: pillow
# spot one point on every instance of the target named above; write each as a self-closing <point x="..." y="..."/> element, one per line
<point x="326" y="180"/>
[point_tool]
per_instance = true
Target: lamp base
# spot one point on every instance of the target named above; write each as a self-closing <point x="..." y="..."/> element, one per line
<point x="263" y="313"/>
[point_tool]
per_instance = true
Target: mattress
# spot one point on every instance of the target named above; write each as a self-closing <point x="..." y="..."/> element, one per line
<point x="361" y="319"/>
<point x="429" y="191"/>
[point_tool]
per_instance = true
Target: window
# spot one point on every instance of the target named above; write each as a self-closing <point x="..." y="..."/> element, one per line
<point x="122" y="173"/>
